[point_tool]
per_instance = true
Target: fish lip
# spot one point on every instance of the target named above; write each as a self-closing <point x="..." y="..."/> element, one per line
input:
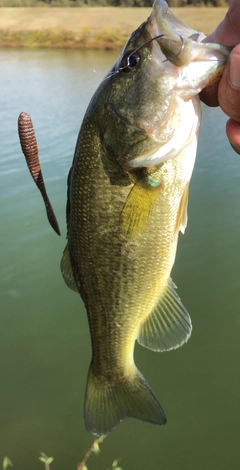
<point x="160" y="11"/>
<point x="185" y="43"/>
<point x="171" y="34"/>
<point x="170" y="24"/>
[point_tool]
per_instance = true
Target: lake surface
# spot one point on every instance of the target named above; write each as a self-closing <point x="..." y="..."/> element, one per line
<point x="44" y="342"/>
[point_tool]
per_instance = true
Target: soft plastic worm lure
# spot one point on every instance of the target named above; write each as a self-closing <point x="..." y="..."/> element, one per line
<point x="29" y="146"/>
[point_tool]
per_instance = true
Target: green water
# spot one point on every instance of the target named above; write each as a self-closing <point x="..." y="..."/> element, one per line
<point x="44" y="342"/>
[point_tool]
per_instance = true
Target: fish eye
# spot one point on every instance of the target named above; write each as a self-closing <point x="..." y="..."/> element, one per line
<point x="130" y="61"/>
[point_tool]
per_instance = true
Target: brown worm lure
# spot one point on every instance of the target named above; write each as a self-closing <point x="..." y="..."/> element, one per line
<point x="29" y="146"/>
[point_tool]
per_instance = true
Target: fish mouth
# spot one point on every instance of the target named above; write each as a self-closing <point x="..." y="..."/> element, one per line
<point x="172" y="35"/>
<point x="171" y="26"/>
<point x="184" y="66"/>
<point x="179" y="43"/>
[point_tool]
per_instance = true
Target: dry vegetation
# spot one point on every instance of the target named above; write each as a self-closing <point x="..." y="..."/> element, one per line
<point x="95" y="28"/>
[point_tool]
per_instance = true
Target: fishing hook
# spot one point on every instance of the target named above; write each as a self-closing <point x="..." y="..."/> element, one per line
<point x="176" y="55"/>
<point x="145" y="44"/>
<point x="137" y="49"/>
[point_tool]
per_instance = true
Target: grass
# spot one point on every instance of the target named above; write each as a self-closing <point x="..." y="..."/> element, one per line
<point x="88" y="28"/>
<point x="94" y="449"/>
<point x="64" y="39"/>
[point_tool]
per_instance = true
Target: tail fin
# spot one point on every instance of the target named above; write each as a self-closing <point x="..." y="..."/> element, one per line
<point x="106" y="403"/>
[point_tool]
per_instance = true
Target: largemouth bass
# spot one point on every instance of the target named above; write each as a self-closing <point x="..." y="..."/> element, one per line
<point x="127" y="201"/>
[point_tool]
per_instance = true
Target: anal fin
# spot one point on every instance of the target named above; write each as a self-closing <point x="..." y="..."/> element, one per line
<point x="168" y="325"/>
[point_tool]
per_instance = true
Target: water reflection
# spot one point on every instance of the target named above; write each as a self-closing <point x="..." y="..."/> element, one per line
<point x="44" y="346"/>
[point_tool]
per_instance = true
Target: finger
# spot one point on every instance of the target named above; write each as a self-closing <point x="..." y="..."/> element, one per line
<point x="226" y="93"/>
<point x="229" y="86"/>
<point x="209" y="95"/>
<point x="228" y="31"/>
<point x="233" y="133"/>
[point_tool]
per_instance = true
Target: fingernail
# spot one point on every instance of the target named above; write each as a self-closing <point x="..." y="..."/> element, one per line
<point x="235" y="70"/>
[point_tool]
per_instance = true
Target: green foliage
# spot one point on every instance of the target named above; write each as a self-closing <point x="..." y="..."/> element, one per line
<point x="19" y="3"/>
<point x="198" y="3"/>
<point x="6" y="463"/>
<point x="46" y="460"/>
<point x="115" y="465"/>
<point x="102" y="3"/>
<point x="94" y="449"/>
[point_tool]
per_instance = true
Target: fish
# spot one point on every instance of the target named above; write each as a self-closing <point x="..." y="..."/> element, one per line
<point x="28" y="142"/>
<point x="127" y="202"/>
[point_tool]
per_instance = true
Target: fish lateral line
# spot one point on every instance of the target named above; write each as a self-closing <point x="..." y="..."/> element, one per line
<point x="29" y="147"/>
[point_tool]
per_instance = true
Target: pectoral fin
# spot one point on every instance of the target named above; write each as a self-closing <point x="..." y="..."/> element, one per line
<point x="168" y="325"/>
<point x="138" y="207"/>
<point x="182" y="218"/>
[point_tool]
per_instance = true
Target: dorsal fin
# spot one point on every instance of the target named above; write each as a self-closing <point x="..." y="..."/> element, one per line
<point x="168" y="325"/>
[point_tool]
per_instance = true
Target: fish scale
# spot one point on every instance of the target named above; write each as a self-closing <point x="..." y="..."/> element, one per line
<point x="127" y="202"/>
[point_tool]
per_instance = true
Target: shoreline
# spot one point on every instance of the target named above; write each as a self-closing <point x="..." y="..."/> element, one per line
<point x="103" y="28"/>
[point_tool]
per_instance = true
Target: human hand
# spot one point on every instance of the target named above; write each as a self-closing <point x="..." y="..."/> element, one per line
<point x="226" y="93"/>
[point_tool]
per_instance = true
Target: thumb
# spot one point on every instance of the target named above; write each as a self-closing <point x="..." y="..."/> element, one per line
<point x="229" y="86"/>
<point x="229" y="97"/>
<point x="227" y="94"/>
<point x="228" y="31"/>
